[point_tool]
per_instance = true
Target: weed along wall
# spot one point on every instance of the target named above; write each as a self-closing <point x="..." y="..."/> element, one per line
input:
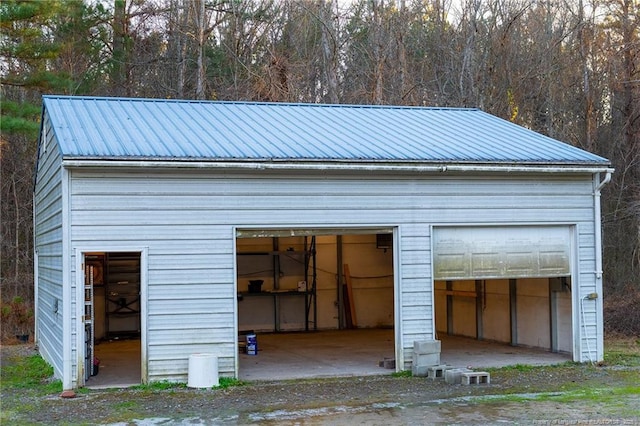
<point x="300" y="290"/>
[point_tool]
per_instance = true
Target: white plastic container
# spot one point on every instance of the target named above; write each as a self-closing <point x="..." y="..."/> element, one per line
<point x="203" y="371"/>
<point x="252" y="344"/>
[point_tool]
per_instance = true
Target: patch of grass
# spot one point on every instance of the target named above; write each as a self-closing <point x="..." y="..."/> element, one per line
<point x="629" y="376"/>
<point x="519" y="398"/>
<point x="599" y="395"/>
<point x="125" y="405"/>
<point x="405" y="373"/>
<point x="228" y="382"/>
<point x="32" y="373"/>
<point x="520" y="368"/>
<point x="526" y="368"/>
<point x="125" y="411"/>
<point x="159" y="386"/>
<point x="622" y="351"/>
<point x="610" y="395"/>
<point x="165" y="385"/>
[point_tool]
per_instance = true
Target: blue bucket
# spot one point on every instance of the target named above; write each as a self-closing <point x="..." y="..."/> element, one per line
<point x="252" y="344"/>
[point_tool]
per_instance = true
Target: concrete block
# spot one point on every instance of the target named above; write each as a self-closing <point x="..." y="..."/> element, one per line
<point x="419" y="370"/>
<point x="454" y="375"/>
<point x="436" y="372"/>
<point x="475" y="378"/>
<point x="426" y="346"/>
<point x="426" y="359"/>
<point x="389" y="363"/>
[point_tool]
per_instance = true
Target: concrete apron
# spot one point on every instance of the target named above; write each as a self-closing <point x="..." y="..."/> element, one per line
<point x="332" y="353"/>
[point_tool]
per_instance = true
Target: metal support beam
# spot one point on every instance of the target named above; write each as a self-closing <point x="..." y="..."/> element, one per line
<point x="553" y="318"/>
<point x="314" y="283"/>
<point x="340" y="294"/>
<point x="479" y="302"/>
<point x="276" y="282"/>
<point x="513" y="312"/>
<point x="449" y="308"/>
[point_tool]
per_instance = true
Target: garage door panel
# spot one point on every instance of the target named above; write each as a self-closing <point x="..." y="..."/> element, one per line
<point x="484" y="263"/>
<point x="501" y="252"/>
<point x="554" y="263"/>
<point x="520" y="264"/>
<point x="451" y="264"/>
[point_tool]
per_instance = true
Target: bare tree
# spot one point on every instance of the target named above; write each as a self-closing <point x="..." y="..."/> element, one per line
<point x="330" y="47"/>
<point x="622" y="205"/>
<point x="119" y="51"/>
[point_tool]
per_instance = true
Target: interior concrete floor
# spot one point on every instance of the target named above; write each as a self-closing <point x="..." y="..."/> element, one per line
<point x="318" y="354"/>
<point x="467" y="352"/>
<point x="119" y="364"/>
<point x="330" y="353"/>
<point x="359" y="352"/>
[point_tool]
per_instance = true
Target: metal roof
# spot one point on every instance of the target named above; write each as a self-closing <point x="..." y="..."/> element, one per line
<point x="121" y="128"/>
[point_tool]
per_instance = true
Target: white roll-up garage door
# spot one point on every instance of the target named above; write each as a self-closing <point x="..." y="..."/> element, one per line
<point x="501" y="252"/>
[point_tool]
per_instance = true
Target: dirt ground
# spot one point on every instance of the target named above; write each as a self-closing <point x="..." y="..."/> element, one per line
<point x="543" y="395"/>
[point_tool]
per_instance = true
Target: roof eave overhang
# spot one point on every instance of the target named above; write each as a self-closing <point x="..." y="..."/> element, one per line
<point x="341" y="165"/>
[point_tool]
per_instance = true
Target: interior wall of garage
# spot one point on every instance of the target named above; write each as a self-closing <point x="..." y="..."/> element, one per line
<point x="563" y="320"/>
<point x="533" y="312"/>
<point x="532" y="301"/>
<point x="255" y="261"/>
<point x="370" y="272"/>
<point x="495" y="311"/>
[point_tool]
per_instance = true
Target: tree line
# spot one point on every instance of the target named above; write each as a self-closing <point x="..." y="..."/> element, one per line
<point x="569" y="69"/>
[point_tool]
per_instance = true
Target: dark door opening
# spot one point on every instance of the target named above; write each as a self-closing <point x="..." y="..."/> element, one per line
<point x="112" y="319"/>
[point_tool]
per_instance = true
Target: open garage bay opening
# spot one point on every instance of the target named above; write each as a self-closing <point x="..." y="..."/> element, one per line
<point x="320" y="302"/>
<point x="510" y="285"/>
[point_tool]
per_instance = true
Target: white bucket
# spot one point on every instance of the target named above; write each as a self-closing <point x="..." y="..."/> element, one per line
<point x="203" y="371"/>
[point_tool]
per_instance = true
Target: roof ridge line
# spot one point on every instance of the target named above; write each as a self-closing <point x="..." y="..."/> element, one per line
<point x="258" y="103"/>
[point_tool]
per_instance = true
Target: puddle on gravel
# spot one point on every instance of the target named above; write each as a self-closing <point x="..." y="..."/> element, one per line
<point x="316" y="412"/>
<point x="191" y="421"/>
<point x="460" y="410"/>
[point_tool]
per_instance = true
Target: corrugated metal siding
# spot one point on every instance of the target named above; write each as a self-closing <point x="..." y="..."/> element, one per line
<point x="48" y="243"/>
<point x="171" y="129"/>
<point x="76" y="326"/>
<point x="416" y="300"/>
<point x="589" y="327"/>
<point x="187" y="220"/>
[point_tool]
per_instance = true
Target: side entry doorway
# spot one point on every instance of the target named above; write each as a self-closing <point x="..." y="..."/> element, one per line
<point x="112" y="319"/>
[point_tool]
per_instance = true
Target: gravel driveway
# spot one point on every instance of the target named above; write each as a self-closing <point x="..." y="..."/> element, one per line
<point x="512" y="396"/>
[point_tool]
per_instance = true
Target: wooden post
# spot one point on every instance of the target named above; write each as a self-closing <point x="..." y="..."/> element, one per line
<point x="352" y="307"/>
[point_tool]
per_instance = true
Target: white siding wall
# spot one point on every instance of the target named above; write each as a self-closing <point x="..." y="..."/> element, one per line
<point x="186" y="220"/>
<point x="48" y="244"/>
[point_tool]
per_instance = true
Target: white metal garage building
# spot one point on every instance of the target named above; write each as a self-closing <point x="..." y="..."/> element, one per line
<point x="152" y="216"/>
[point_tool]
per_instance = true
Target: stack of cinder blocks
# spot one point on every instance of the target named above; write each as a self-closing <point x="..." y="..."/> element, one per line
<point x="426" y="359"/>
<point x="426" y="363"/>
